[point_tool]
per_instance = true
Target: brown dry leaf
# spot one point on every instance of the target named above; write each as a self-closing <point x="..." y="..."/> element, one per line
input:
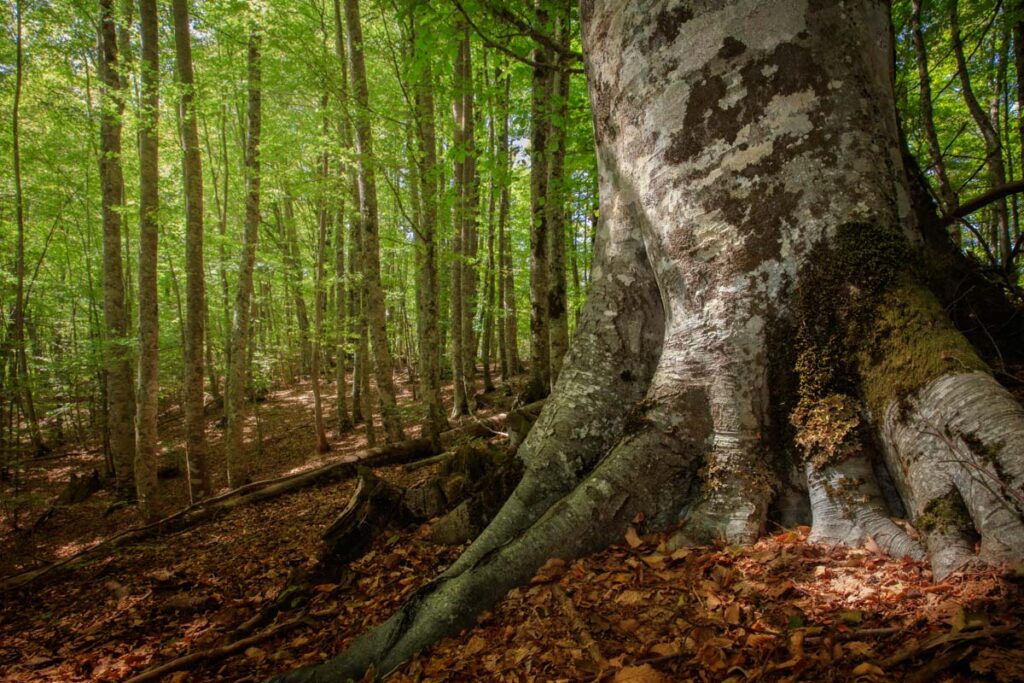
<point x="680" y="553"/>
<point x="632" y="538"/>
<point x="639" y="674"/>
<point x="869" y="671"/>
<point x="256" y="653"/>
<point x="732" y="614"/>
<point x="665" y="649"/>
<point x="476" y="644"/>
<point x="161" y="575"/>
<point x="630" y="597"/>
<point x="654" y="561"/>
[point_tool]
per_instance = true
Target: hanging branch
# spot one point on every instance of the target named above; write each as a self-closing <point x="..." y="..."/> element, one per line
<point x="512" y="53"/>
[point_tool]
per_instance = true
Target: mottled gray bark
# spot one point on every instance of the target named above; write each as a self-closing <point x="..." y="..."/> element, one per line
<point x="147" y="405"/>
<point x="737" y="144"/>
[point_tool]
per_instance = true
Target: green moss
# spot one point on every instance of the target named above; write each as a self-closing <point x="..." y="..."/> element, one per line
<point x="909" y="342"/>
<point x="827" y="429"/>
<point x="864" y="332"/>
<point x="988" y="452"/>
<point x="944" y="514"/>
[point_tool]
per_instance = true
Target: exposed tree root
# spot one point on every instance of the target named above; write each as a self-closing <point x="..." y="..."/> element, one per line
<point x="848" y="508"/>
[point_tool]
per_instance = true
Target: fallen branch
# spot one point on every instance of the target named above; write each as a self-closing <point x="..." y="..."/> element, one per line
<point x="945" y="639"/>
<point x="381" y="456"/>
<point x="216" y="652"/>
<point x="427" y="462"/>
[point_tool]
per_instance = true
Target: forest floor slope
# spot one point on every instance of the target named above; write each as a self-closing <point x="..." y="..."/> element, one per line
<point x="779" y="609"/>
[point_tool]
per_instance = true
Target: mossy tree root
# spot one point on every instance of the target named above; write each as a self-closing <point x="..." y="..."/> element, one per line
<point x="648" y="475"/>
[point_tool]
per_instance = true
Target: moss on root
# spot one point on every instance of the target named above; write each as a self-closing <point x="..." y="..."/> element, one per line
<point x="827" y="429"/>
<point x="865" y="332"/>
<point x="910" y="342"/>
<point x="944" y="514"/>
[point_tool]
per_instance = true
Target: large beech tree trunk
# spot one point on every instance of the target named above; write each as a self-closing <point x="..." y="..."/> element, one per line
<point x="752" y="190"/>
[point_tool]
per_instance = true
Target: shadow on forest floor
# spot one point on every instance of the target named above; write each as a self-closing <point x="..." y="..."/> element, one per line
<point x="780" y="609"/>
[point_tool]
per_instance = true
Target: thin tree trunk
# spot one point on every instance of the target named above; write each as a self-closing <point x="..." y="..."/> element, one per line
<point x="460" y="389"/>
<point x="990" y="133"/>
<point x="323" y="220"/>
<point x="554" y="205"/>
<point x="427" y="294"/>
<point x="376" y="318"/>
<point x="20" y="381"/>
<point x="947" y="195"/>
<point x="147" y="406"/>
<point x="344" y="420"/>
<point x="540" y="123"/>
<point x="489" y="285"/>
<point x="500" y="162"/>
<point x="195" y="419"/>
<point x="120" y="394"/>
<point x="238" y="354"/>
<point x="470" y="215"/>
<point x="509" y="324"/>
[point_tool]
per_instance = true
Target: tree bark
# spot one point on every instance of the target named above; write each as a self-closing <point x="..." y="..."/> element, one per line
<point x="540" y="125"/>
<point x="344" y="419"/>
<point x="947" y="195"/>
<point x="460" y="248"/>
<point x="147" y="406"/>
<point x="554" y="203"/>
<point x="21" y="385"/>
<point x="319" y="302"/>
<point x="292" y="260"/>
<point x="509" y="323"/>
<point x="120" y="392"/>
<point x="238" y="356"/>
<point x="487" y="313"/>
<point x="427" y="287"/>
<point x="195" y="285"/>
<point x="754" y="267"/>
<point x="990" y="133"/>
<point x="369" y="226"/>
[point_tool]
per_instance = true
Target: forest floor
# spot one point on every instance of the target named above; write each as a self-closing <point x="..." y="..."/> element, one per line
<point x="782" y="609"/>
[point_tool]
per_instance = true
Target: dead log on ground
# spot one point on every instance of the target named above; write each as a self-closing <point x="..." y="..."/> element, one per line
<point x="381" y="456"/>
